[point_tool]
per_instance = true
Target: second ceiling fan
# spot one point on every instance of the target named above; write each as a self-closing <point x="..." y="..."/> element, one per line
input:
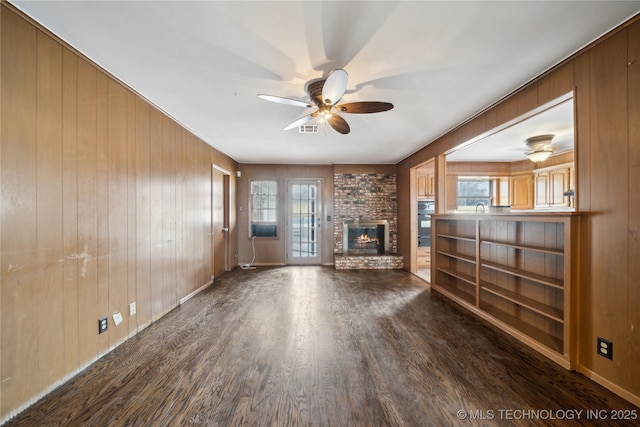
<point x="325" y="95"/>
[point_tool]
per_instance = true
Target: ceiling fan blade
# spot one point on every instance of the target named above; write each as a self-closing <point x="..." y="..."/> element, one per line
<point x="334" y="86"/>
<point x="286" y="101"/>
<point x="339" y="124"/>
<point x="364" y="107"/>
<point x="302" y="120"/>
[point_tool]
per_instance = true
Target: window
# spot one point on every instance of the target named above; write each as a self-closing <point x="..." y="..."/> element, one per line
<point x="264" y="201"/>
<point x="474" y="191"/>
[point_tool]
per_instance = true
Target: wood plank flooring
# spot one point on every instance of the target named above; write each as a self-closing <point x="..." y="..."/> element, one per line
<point x="313" y="346"/>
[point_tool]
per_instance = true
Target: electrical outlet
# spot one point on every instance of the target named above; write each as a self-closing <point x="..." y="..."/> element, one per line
<point x="605" y="348"/>
<point x="103" y="325"/>
<point x="132" y="309"/>
<point x="117" y="318"/>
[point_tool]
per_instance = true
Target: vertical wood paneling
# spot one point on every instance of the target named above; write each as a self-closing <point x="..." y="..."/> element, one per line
<point x="50" y="256"/>
<point x="131" y="211"/>
<point x="582" y="132"/>
<point x="506" y="110"/>
<point x="87" y="213"/>
<point x="143" y="213"/>
<point x="157" y="294"/>
<point x="609" y="199"/>
<point x="204" y="216"/>
<point x="173" y="295"/>
<point x="70" y="207"/>
<point x="192" y="210"/>
<point x="560" y="82"/>
<point x="473" y="128"/>
<point x="490" y="119"/>
<point x="555" y="84"/>
<point x="217" y="212"/>
<point x="174" y="212"/>
<point x="544" y="90"/>
<point x="117" y="210"/>
<point x="581" y="71"/>
<point x="105" y="201"/>
<point x="633" y="324"/>
<point x="200" y="207"/>
<point x="1" y="199"/>
<point x="168" y="240"/>
<point x="527" y="99"/>
<point x="181" y="262"/>
<point x="102" y="204"/>
<point x="19" y="289"/>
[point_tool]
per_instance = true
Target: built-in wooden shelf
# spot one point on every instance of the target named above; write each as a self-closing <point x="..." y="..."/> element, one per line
<point x="548" y="281"/>
<point x="533" y="305"/>
<point x="448" y="236"/>
<point x="458" y="275"/>
<point x="538" y="335"/>
<point x="513" y="270"/>
<point x="459" y="293"/>
<point x="463" y="257"/>
<point x="527" y="248"/>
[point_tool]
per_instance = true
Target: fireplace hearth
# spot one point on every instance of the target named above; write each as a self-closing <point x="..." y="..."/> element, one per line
<point x="365" y="236"/>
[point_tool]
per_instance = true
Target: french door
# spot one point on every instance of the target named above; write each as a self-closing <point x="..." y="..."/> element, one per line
<point x="304" y="207"/>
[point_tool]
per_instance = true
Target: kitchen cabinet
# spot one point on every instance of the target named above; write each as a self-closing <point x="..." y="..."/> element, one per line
<point x="550" y="185"/>
<point x="541" y="189"/>
<point x="522" y="191"/>
<point x="424" y="257"/>
<point x="518" y="272"/>
<point x="451" y="193"/>
<point x="425" y="185"/>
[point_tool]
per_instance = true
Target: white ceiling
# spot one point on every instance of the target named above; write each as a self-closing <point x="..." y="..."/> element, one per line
<point x="438" y="62"/>
<point x="507" y="145"/>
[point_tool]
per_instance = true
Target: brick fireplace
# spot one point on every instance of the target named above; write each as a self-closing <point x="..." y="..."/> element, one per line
<point x="369" y="199"/>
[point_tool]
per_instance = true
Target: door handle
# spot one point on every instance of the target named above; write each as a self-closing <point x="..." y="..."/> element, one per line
<point x="225" y="229"/>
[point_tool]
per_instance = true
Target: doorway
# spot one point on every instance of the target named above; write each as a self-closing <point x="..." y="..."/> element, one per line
<point x="220" y="220"/>
<point x="425" y="192"/>
<point x="304" y="219"/>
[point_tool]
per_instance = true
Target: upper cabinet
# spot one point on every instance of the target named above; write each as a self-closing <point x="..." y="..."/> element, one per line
<point x="521" y="191"/>
<point x="551" y="184"/>
<point x="425" y="185"/>
<point x="425" y="181"/>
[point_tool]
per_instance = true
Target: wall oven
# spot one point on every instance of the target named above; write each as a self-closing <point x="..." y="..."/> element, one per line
<point x="425" y="207"/>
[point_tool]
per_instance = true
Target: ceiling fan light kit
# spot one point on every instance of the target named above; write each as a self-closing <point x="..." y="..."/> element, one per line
<point x="540" y="147"/>
<point x="324" y="95"/>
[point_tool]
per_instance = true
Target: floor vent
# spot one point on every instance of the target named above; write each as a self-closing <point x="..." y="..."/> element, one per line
<point x="309" y="129"/>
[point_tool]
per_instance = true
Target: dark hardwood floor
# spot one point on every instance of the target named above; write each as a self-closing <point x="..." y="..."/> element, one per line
<point x="312" y="346"/>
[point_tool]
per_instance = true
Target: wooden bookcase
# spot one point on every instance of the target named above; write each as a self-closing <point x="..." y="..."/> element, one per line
<point x="516" y="271"/>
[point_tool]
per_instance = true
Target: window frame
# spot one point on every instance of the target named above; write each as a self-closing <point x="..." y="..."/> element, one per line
<point x="484" y="199"/>
<point x="267" y="213"/>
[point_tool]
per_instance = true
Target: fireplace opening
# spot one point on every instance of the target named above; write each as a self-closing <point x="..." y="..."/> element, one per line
<point x="366" y="237"/>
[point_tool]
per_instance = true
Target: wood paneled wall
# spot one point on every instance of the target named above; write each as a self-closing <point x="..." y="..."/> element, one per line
<point x="272" y="251"/>
<point x="605" y="79"/>
<point x="104" y="201"/>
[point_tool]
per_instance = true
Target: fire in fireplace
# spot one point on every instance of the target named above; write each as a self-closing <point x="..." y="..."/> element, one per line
<point x="365" y="236"/>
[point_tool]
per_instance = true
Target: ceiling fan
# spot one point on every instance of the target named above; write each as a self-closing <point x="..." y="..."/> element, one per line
<point x="325" y="94"/>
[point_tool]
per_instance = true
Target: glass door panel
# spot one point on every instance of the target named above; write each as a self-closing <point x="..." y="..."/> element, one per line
<point x="304" y="222"/>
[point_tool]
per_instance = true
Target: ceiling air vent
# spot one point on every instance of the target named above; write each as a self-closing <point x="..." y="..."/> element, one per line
<point x="309" y="129"/>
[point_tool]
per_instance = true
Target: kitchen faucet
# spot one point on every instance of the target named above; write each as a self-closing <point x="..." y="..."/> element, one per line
<point x="479" y="205"/>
